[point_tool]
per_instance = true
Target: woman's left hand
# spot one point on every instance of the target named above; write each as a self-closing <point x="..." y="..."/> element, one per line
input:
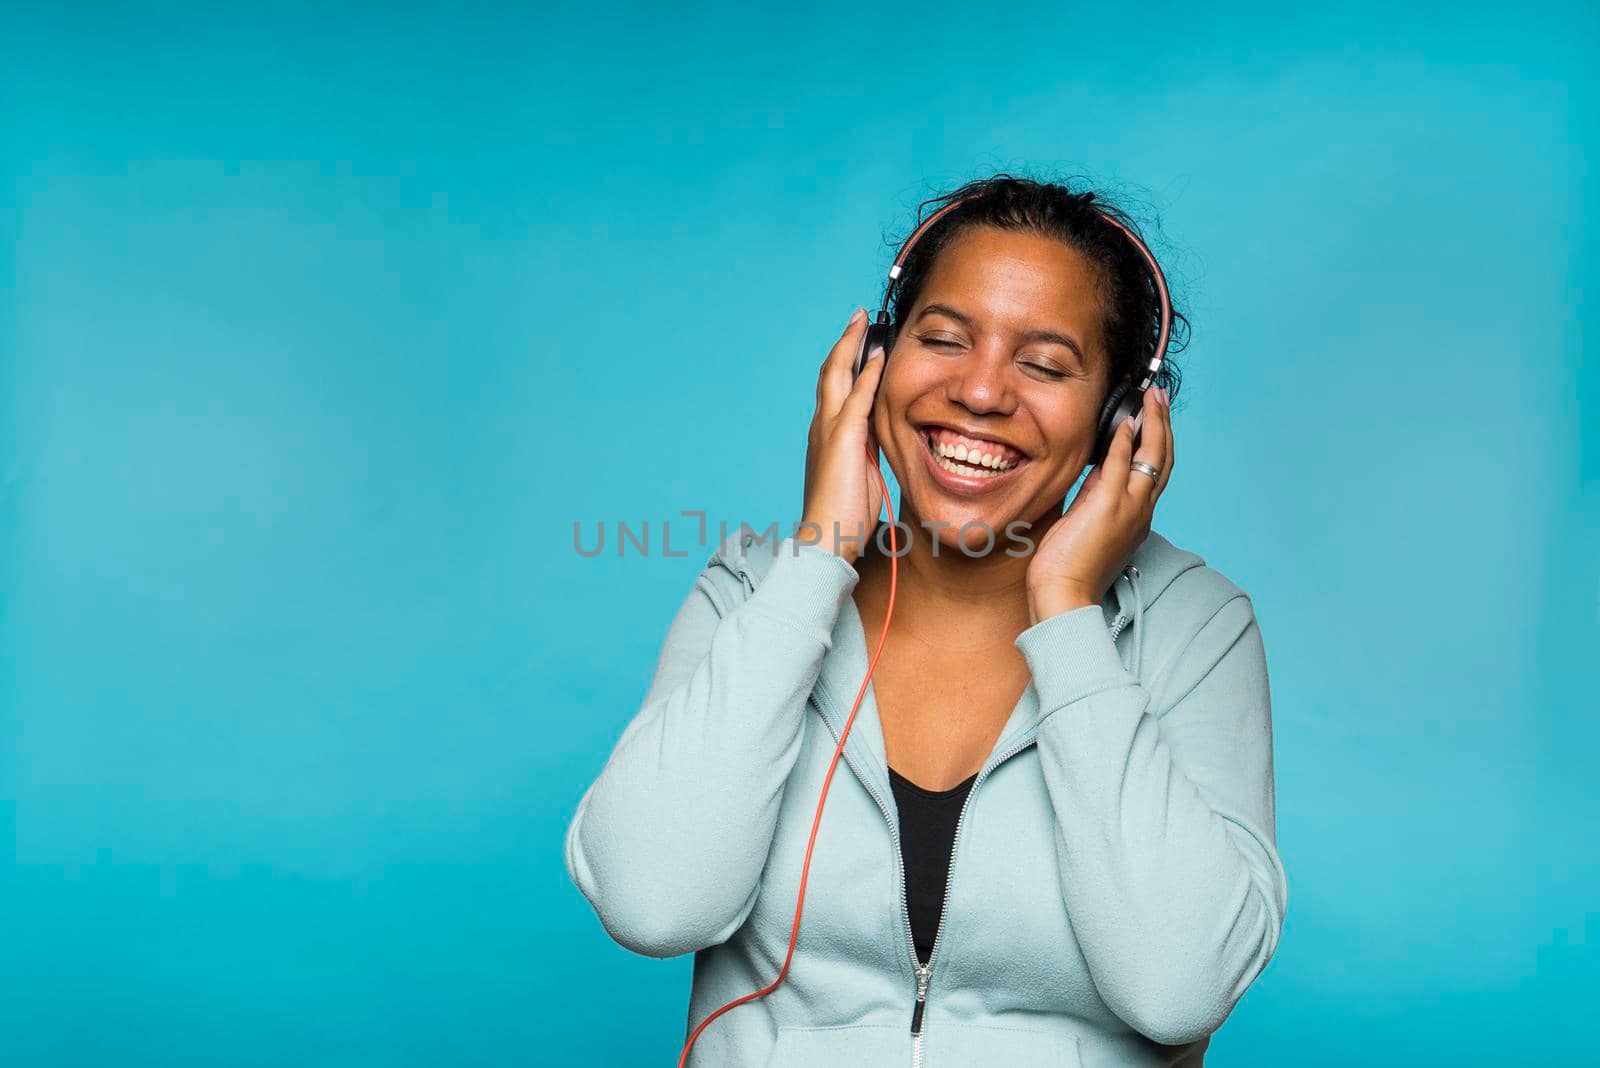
<point x="1080" y="555"/>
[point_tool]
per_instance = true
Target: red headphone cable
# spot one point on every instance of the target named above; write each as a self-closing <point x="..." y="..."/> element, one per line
<point x="794" y="935"/>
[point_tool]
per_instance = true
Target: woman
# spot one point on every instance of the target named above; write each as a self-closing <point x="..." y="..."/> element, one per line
<point x="1055" y="842"/>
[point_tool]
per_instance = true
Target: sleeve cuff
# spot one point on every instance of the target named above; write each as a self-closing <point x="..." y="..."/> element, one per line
<point x="1071" y="655"/>
<point x="806" y="586"/>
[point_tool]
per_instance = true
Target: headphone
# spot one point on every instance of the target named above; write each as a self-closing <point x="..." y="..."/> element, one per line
<point x="1126" y="399"/>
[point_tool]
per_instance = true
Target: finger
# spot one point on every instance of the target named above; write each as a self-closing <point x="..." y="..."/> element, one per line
<point x="829" y="391"/>
<point x="865" y="387"/>
<point x="1118" y="455"/>
<point x="1160" y="442"/>
<point x="842" y="351"/>
<point x="1172" y="448"/>
<point x="1152" y="448"/>
<point x="833" y="382"/>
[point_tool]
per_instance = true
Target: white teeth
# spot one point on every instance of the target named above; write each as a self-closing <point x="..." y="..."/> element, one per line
<point x="975" y="458"/>
<point x="966" y="471"/>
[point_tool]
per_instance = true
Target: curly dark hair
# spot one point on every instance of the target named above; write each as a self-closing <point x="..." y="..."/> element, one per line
<point x="1132" y="304"/>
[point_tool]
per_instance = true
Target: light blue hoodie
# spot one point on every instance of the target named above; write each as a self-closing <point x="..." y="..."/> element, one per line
<point x="1114" y="885"/>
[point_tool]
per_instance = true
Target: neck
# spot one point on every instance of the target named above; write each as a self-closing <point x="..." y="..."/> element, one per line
<point x="980" y="600"/>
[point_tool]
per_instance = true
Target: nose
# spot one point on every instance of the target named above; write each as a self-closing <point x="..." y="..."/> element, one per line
<point x="981" y="382"/>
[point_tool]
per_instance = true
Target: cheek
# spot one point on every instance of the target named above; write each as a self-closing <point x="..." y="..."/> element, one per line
<point x="895" y="390"/>
<point x="905" y="378"/>
<point x="1072" y="415"/>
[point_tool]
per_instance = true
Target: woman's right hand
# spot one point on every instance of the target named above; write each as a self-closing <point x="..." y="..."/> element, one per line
<point x="839" y="489"/>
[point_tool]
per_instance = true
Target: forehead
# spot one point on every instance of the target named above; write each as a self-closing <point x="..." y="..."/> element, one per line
<point x="1026" y="279"/>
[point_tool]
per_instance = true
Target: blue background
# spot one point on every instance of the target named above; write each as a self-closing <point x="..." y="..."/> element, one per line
<point x="323" y="331"/>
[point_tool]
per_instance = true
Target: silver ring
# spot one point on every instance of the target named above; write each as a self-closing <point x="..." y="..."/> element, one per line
<point x="1147" y="469"/>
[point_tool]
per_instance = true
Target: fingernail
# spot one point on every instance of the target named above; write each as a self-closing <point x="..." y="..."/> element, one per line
<point x="855" y="313"/>
<point x="877" y="350"/>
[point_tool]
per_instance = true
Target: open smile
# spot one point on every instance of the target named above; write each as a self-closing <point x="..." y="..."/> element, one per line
<point x="968" y="466"/>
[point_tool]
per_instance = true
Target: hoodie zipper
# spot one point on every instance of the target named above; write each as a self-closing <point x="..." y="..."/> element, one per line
<point x="925" y="971"/>
<point x="917" y="966"/>
<point x="925" y="974"/>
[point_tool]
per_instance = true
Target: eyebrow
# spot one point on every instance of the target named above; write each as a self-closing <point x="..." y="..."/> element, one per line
<point x="1031" y="335"/>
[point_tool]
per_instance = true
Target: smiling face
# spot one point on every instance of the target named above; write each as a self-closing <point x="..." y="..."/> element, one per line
<point x="988" y="402"/>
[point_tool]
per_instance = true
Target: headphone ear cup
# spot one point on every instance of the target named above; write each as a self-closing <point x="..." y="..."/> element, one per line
<point x="877" y="334"/>
<point x="1107" y="426"/>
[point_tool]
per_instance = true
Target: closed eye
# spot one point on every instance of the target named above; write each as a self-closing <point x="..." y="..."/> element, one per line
<point x="1051" y="372"/>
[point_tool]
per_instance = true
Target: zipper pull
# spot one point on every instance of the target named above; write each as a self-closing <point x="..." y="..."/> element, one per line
<point x="922" y="999"/>
<point x="1117" y="625"/>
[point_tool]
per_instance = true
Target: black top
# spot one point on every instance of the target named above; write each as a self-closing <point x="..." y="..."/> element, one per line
<point x="927" y="830"/>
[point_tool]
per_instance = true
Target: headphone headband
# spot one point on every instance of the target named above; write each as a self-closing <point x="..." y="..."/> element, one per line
<point x="1156" y="274"/>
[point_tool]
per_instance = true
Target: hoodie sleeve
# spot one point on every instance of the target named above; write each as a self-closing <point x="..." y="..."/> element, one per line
<point x="669" y="842"/>
<point x="1165" y="825"/>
